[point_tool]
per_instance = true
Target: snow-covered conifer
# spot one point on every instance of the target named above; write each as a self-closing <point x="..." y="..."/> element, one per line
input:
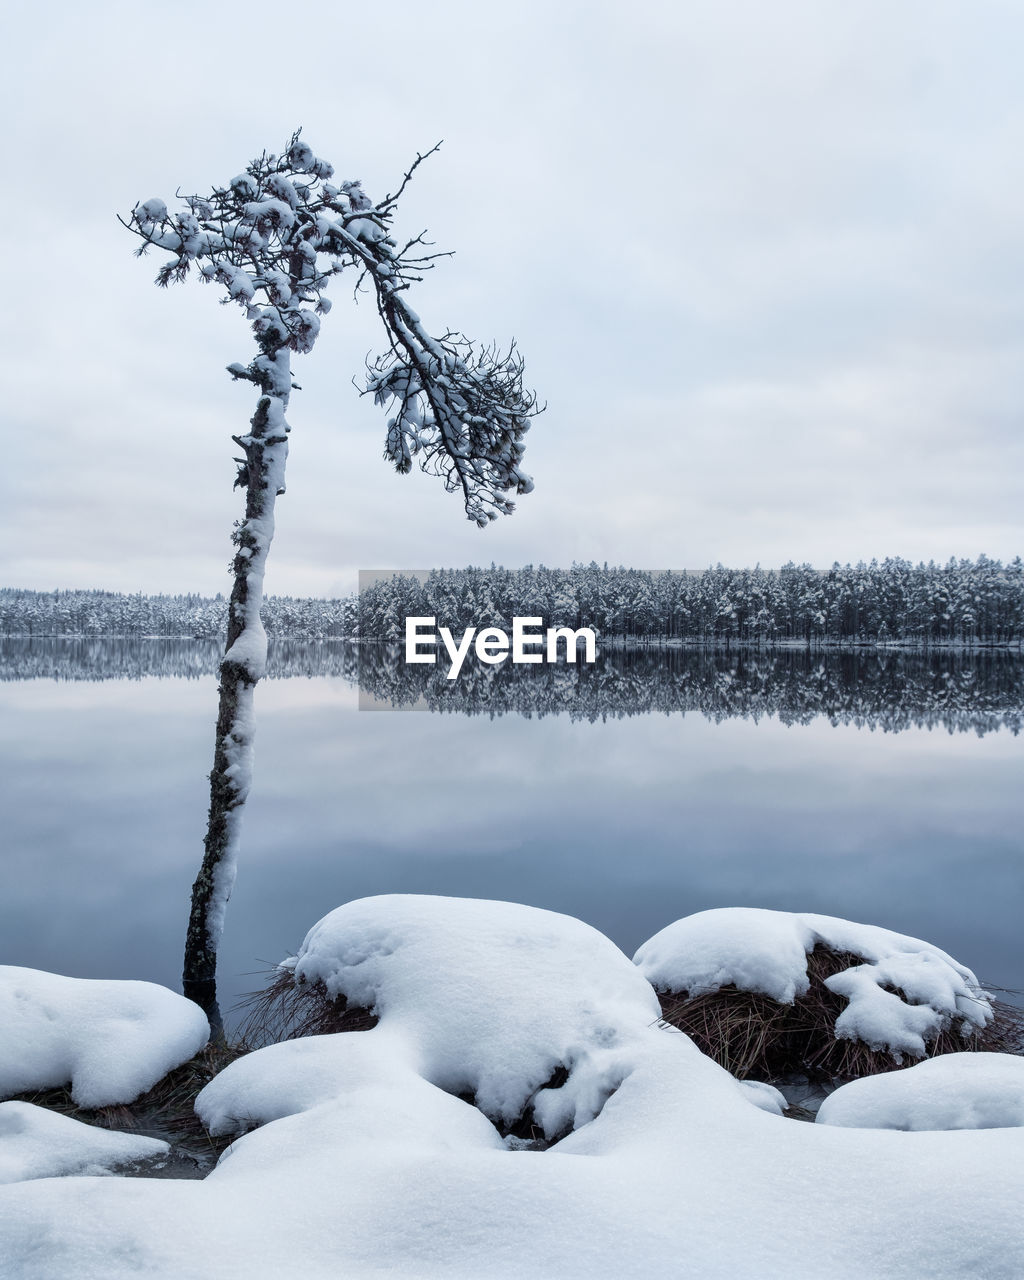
<point x="273" y="238"/>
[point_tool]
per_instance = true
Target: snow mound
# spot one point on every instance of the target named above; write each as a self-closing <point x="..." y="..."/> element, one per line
<point x="492" y="997"/>
<point x="36" y="1143"/>
<point x="953" y="1091"/>
<point x="110" y="1040"/>
<point x="297" y="1076"/>
<point x="344" y="1093"/>
<point x="903" y="994"/>
<point x="474" y="998"/>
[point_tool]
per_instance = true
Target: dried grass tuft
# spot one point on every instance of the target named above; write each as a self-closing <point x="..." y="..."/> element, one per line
<point x="286" y="1010"/>
<point x="752" y="1035"/>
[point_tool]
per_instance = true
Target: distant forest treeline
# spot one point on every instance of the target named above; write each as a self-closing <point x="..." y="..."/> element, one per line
<point x="109" y="613"/>
<point x="964" y="602"/>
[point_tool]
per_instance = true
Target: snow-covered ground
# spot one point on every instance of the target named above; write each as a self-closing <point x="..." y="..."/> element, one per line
<point x="37" y="1143"/>
<point x="365" y="1163"/>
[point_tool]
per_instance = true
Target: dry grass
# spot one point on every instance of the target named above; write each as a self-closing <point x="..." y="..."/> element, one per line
<point x="287" y="1010"/>
<point x="752" y="1035"/>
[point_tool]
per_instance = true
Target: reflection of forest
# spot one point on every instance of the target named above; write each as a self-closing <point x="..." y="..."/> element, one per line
<point x="890" y="690"/>
<point x="132" y="658"/>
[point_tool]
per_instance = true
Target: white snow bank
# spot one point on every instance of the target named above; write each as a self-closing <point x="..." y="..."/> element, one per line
<point x="36" y="1143"/>
<point x="364" y="1167"/>
<point x="359" y="1069"/>
<point x="345" y="1093"/>
<point x="493" y="995"/>
<point x="766" y="951"/>
<point x="952" y="1091"/>
<point x="110" y="1040"/>
<point x="678" y="1176"/>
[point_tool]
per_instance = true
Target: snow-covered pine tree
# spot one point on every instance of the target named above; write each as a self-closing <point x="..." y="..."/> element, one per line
<point x="273" y="238"/>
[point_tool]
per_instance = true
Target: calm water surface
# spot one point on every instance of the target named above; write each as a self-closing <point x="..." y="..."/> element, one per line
<point x="626" y="823"/>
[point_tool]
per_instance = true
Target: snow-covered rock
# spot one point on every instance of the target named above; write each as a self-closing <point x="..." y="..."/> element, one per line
<point x="952" y="1091"/>
<point x="495" y="996"/>
<point x="110" y="1040"/>
<point x="766" y="951"/>
<point x="36" y="1143"/>
<point x="480" y="998"/>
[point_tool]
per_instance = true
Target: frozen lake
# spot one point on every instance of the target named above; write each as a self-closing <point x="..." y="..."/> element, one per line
<point x="626" y="822"/>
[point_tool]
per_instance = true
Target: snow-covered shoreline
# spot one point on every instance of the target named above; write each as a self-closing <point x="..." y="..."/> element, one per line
<point x="380" y="1152"/>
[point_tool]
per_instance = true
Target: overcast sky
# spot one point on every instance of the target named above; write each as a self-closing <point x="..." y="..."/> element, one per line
<point x="765" y="263"/>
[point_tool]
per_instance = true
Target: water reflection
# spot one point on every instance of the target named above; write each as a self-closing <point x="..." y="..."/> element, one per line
<point x="888" y="690"/>
<point x="624" y="819"/>
<point x="134" y="658"/>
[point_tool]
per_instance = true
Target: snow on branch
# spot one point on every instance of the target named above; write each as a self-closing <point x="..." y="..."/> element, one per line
<point x="463" y="411"/>
<point x="274" y="237"/>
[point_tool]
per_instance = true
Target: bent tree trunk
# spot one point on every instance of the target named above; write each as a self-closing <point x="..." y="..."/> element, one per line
<point x="262" y="475"/>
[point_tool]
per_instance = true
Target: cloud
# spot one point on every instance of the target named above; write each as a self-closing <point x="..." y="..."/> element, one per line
<point x="762" y="261"/>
